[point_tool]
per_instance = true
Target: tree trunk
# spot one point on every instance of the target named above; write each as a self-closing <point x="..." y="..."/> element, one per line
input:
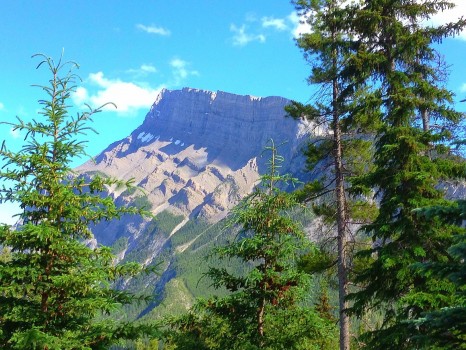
<point x="261" y="310"/>
<point x="260" y="320"/>
<point x="342" y="239"/>
<point x="425" y="120"/>
<point x="341" y="216"/>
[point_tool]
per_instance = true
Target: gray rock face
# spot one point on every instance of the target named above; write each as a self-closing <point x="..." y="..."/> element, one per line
<point x="197" y="153"/>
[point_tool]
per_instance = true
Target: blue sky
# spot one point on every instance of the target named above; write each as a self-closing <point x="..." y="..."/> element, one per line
<point x="129" y="50"/>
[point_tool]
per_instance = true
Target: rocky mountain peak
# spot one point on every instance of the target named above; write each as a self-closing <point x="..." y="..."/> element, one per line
<point x="198" y="152"/>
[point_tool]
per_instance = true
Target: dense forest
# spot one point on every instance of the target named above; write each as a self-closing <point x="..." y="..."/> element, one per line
<point x="394" y="257"/>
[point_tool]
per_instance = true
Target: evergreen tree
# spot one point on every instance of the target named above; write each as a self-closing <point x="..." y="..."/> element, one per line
<point x="446" y="327"/>
<point x="411" y="158"/>
<point x="54" y="289"/>
<point x="263" y="309"/>
<point x="338" y="155"/>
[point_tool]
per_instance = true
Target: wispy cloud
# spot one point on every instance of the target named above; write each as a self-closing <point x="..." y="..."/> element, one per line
<point x="242" y="38"/>
<point x="181" y="70"/>
<point x="295" y="23"/>
<point x="255" y="28"/>
<point x="143" y="70"/>
<point x="153" y="29"/>
<point x="129" y="97"/>
<point x="276" y="23"/>
<point x="148" y="68"/>
<point x="2" y="106"/>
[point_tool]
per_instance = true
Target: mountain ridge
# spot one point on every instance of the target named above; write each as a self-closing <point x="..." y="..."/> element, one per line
<point x="195" y="146"/>
<point x="194" y="157"/>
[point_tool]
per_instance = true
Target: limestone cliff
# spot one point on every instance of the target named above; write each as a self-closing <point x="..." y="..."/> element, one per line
<point x="197" y="153"/>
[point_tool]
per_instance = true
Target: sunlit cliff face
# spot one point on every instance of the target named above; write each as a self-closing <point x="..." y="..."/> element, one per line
<point x="199" y="152"/>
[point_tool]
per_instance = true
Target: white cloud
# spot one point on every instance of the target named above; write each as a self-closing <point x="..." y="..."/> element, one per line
<point x="14" y="133"/>
<point x="299" y="24"/>
<point x="127" y="96"/>
<point x="2" y="106"/>
<point x="241" y="38"/>
<point x="153" y="29"/>
<point x="80" y="96"/>
<point x="463" y="88"/>
<point x="181" y="71"/>
<point x="277" y="23"/>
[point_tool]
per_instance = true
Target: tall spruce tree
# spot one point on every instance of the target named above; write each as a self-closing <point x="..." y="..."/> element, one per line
<point x="338" y="155"/>
<point x="412" y="157"/>
<point x="263" y="309"/>
<point x="54" y="289"/>
<point x="446" y="327"/>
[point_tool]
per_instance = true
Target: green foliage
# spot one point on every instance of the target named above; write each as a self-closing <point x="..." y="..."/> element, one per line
<point x="362" y="211"/>
<point x="198" y="330"/>
<point x="188" y="232"/>
<point x="446" y="327"/>
<point x="411" y="157"/>
<point x="176" y="300"/>
<point x="262" y="310"/>
<point x="54" y="289"/>
<point x="315" y="153"/>
<point x="167" y="221"/>
<point x="103" y="175"/>
<point x="335" y="158"/>
<point x="162" y="224"/>
<point x="120" y="245"/>
<point x="5" y="255"/>
<point x="137" y="198"/>
<point x="129" y="191"/>
<point x="346" y="150"/>
<point x="192" y="264"/>
<point x="140" y="344"/>
<point x="142" y="202"/>
<point x="317" y="261"/>
<point x="323" y="306"/>
<point x="387" y="78"/>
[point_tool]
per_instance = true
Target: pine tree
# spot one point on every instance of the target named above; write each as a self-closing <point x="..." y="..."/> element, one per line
<point x="338" y="155"/>
<point x="262" y="310"/>
<point x="411" y="158"/>
<point x="54" y="289"/>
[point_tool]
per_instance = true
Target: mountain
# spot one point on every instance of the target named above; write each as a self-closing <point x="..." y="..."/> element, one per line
<point x="196" y="154"/>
